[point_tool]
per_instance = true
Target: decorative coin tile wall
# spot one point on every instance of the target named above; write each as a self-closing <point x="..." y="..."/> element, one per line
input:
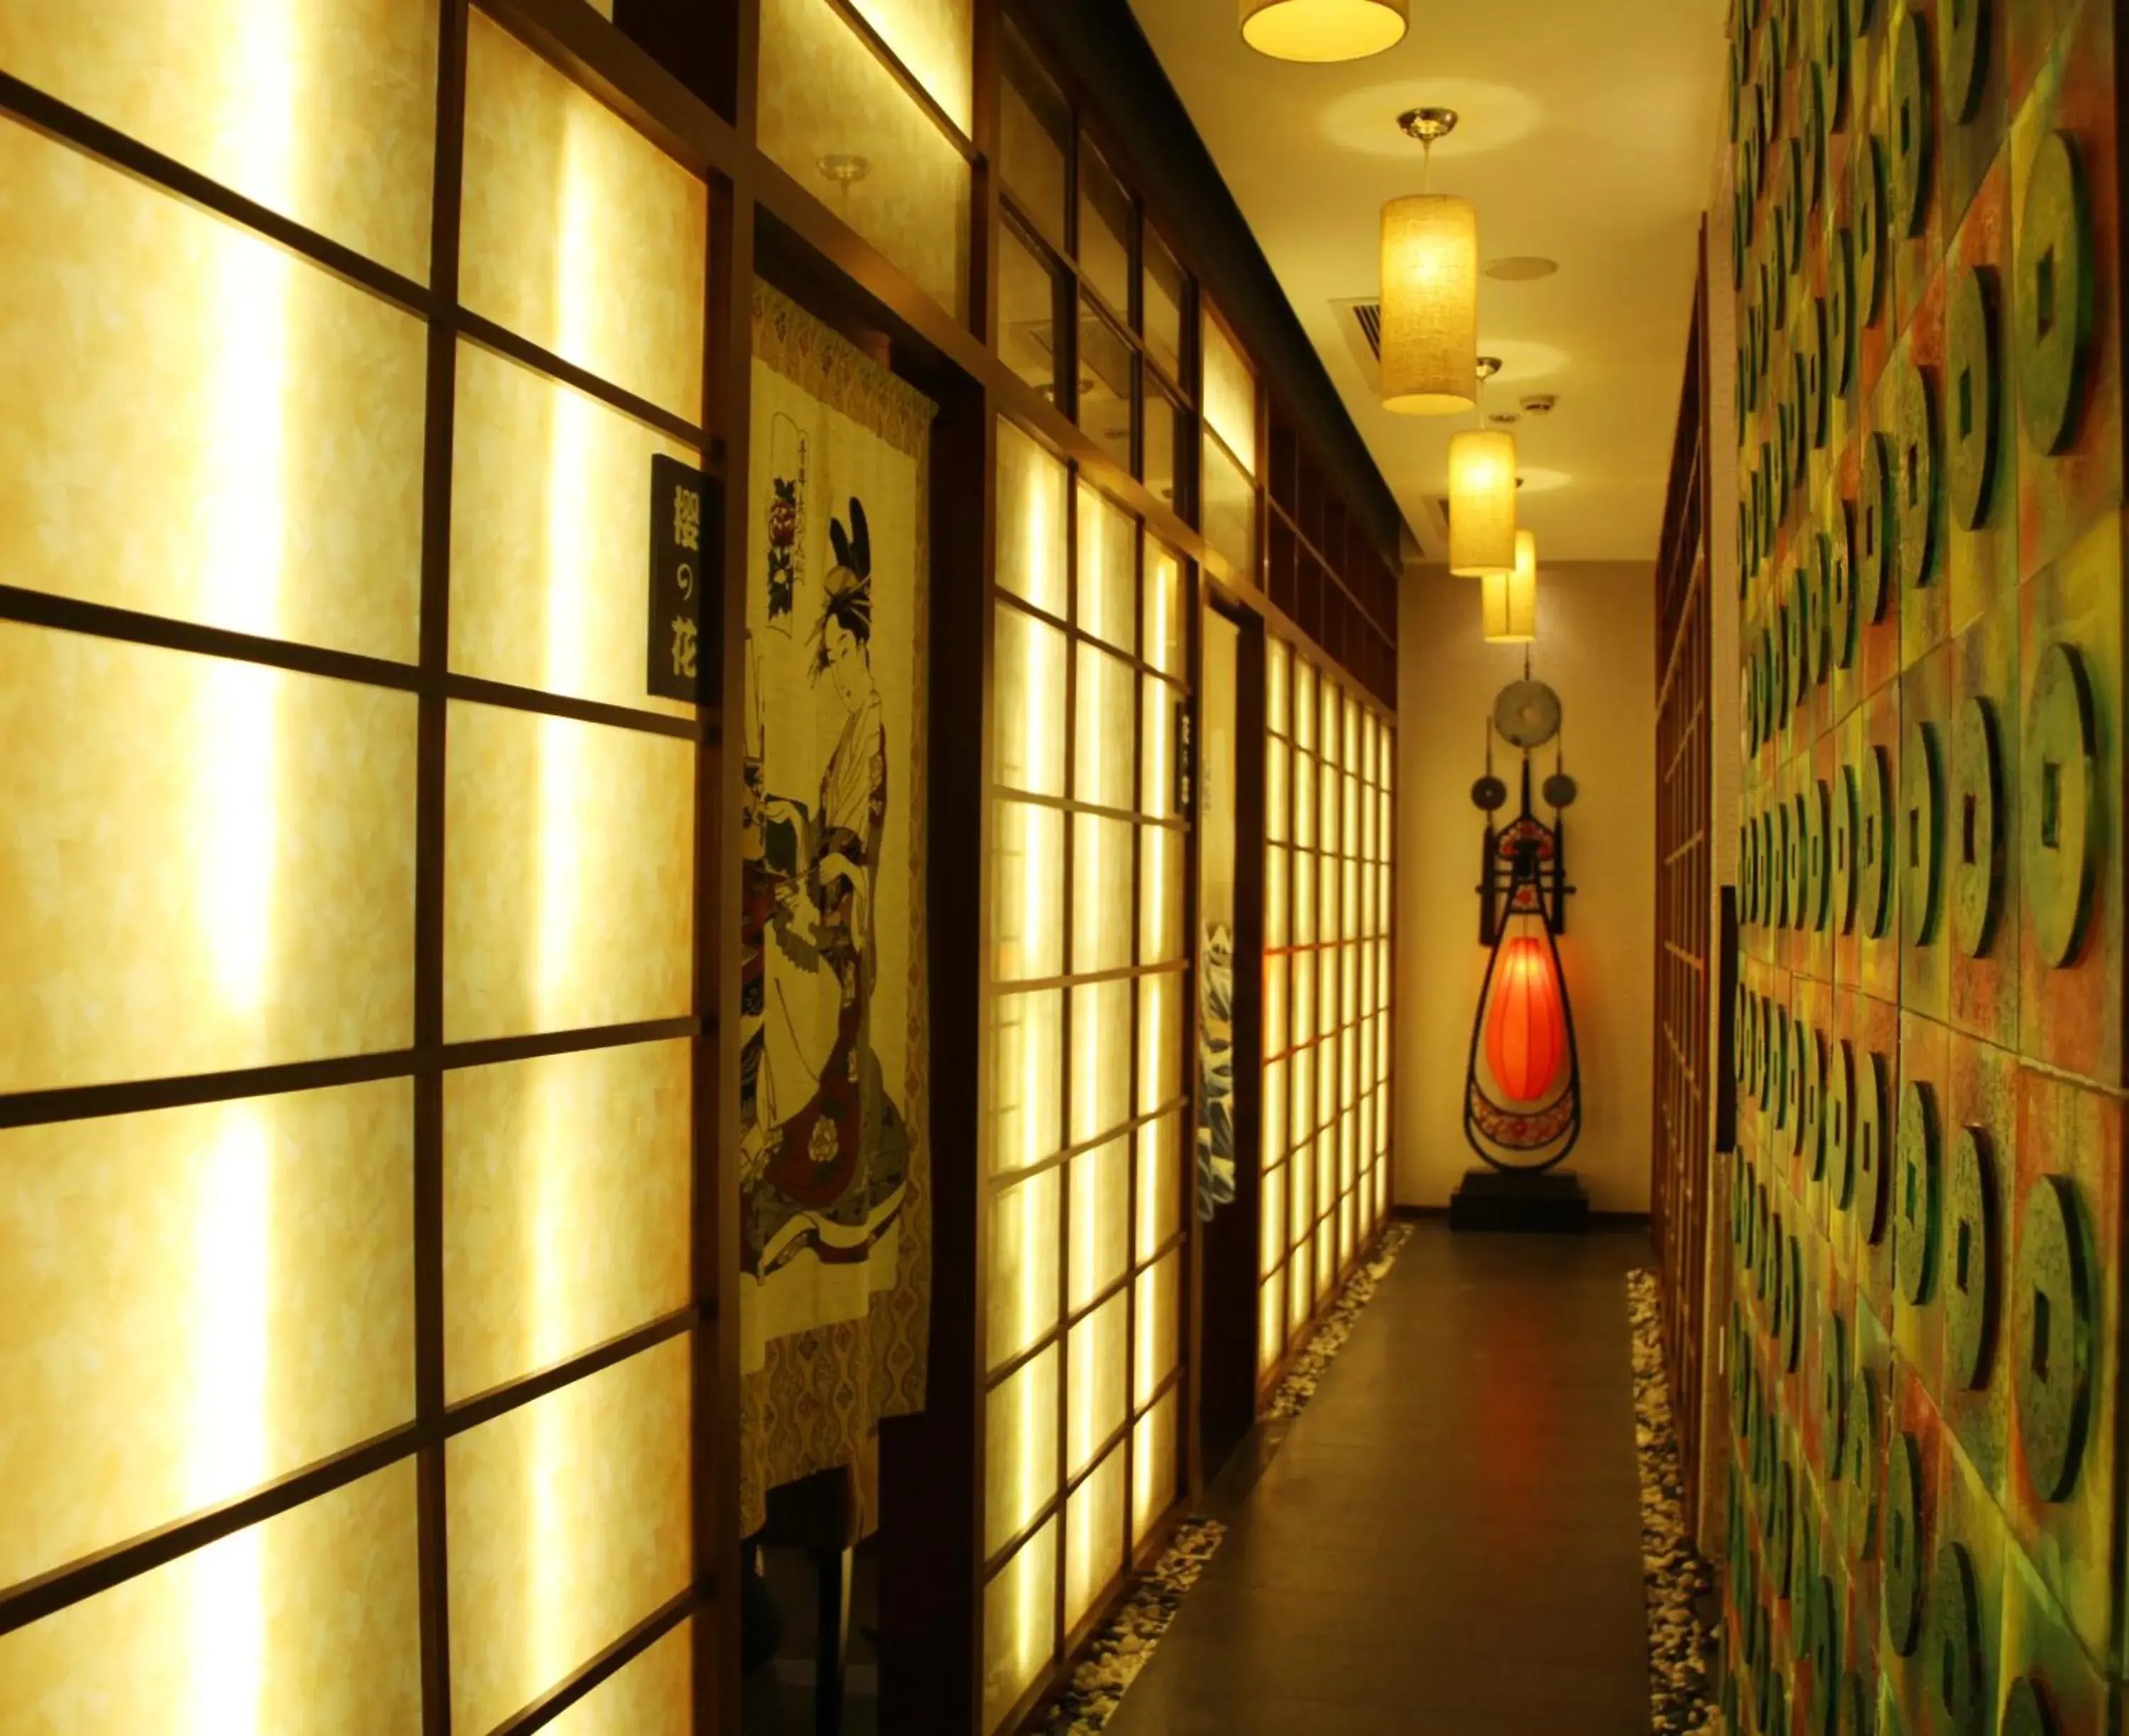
<point x="1925" y="1440"/>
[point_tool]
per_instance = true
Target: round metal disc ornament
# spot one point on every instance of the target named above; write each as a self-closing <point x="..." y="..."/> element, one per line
<point x="1833" y="1393"/>
<point x="1920" y="1185"/>
<point x="1527" y="713"/>
<point x="1847" y="824"/>
<point x="1954" y="1672"/>
<point x="1840" y="556"/>
<point x="2054" y="295"/>
<point x="1965" y="57"/>
<point x="1817" y="142"/>
<point x="1784" y="866"/>
<point x="1799" y="861"/>
<point x="1870" y="230"/>
<point x="2060" y="823"/>
<point x="1840" y="309"/>
<point x="1880" y="530"/>
<point x="1914" y="124"/>
<point x="2055" y="1316"/>
<point x="1904" y="1545"/>
<point x="2029" y="1709"/>
<point x="1875" y="853"/>
<point x="1871" y="1115"/>
<point x="1978" y="857"/>
<point x="1489" y="794"/>
<point x="1922" y="804"/>
<point x="1811" y="1125"/>
<point x="1781" y="1563"/>
<point x="1818" y="855"/>
<point x="1866" y="16"/>
<point x="1973" y="394"/>
<point x="1559" y="790"/>
<point x="1915" y="479"/>
<point x="1830" y="59"/>
<point x="1840" y="1119"/>
<point x="1799" y="1300"/>
<point x="1818" y="375"/>
<point x="1859" y="1704"/>
<point x="1971" y="1280"/>
<point x="1864" y="1427"/>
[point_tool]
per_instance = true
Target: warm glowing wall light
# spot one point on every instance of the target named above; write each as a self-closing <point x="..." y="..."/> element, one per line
<point x="1324" y="30"/>
<point x="1482" y="503"/>
<point x="1430" y="290"/>
<point x="1511" y="598"/>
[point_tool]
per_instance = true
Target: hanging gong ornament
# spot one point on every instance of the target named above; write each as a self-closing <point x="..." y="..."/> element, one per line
<point x="1522" y="1101"/>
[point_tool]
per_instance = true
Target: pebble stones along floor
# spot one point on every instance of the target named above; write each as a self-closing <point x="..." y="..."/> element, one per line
<point x="1125" y="1645"/>
<point x="1674" y="1572"/>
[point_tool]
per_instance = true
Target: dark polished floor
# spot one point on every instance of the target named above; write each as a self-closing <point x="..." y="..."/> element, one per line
<point x="1447" y="1542"/>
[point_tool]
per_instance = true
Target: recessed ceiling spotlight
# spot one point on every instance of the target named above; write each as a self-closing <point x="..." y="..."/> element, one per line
<point x="1520" y="268"/>
<point x="1505" y="417"/>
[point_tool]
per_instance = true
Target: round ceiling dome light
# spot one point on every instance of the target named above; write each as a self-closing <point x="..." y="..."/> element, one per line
<point x="1520" y="268"/>
<point x="1324" y="30"/>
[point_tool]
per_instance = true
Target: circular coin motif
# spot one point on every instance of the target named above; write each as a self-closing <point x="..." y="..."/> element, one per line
<point x="1871" y="1091"/>
<point x="1874" y="853"/>
<point x="1880" y="534"/>
<point x="1839" y="1120"/>
<point x="1904" y="1552"/>
<point x="1914" y="124"/>
<point x="1965" y="56"/>
<point x="1922" y="804"/>
<point x="2054" y="295"/>
<point x="1915" y="482"/>
<point x="1919" y="1184"/>
<point x="1954" y="1642"/>
<point x="1869" y="230"/>
<point x="1971" y="1281"/>
<point x="2059" y="823"/>
<point x="1977" y="802"/>
<point x="1972" y="393"/>
<point x="2052" y="1335"/>
<point x="1846" y="822"/>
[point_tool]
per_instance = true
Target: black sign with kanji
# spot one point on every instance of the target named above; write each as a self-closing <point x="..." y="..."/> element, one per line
<point x="686" y="545"/>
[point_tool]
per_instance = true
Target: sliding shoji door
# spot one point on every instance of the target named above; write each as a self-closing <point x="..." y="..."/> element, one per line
<point x="1325" y="1122"/>
<point x="349" y="1015"/>
<point x="1087" y="1099"/>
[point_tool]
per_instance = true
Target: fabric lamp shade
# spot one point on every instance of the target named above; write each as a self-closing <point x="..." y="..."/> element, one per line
<point x="1511" y="598"/>
<point x="1430" y="288"/>
<point x="1527" y="1034"/>
<point x="1324" y="30"/>
<point x="1482" y="503"/>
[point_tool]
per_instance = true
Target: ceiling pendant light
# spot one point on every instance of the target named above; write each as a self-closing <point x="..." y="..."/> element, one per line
<point x="1482" y="497"/>
<point x="1430" y="290"/>
<point x="1511" y="598"/>
<point x="1324" y="30"/>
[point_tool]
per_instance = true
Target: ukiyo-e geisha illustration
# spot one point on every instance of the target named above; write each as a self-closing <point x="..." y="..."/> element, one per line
<point x="823" y="1149"/>
<point x="835" y="1226"/>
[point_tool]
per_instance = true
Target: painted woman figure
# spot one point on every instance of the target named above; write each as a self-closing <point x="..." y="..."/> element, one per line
<point x="846" y="1130"/>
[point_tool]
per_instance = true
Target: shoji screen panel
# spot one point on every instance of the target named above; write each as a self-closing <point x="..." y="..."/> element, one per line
<point x="1324" y="1121"/>
<point x="348" y="1134"/>
<point x="1088" y="985"/>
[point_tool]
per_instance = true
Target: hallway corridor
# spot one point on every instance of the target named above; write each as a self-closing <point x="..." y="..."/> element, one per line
<point x="1446" y="1542"/>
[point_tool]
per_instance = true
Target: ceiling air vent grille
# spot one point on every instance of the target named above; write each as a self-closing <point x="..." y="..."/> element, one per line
<point x="1368" y="316"/>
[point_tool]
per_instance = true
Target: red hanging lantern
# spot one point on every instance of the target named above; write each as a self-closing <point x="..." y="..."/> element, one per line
<point x="1526" y="1031"/>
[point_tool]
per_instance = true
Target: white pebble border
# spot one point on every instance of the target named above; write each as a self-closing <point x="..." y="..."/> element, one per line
<point x="1124" y="1647"/>
<point x="1674" y="1572"/>
<point x="1299" y="1387"/>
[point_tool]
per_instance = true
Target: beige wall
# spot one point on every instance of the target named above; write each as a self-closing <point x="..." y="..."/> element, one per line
<point x="1596" y="647"/>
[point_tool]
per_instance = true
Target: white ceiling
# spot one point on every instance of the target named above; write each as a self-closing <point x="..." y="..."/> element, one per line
<point x="1587" y="135"/>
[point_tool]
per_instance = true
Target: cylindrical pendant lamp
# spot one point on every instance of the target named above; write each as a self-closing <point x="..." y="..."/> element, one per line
<point x="1482" y="503"/>
<point x="1430" y="305"/>
<point x="1511" y="598"/>
<point x="1324" y="30"/>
